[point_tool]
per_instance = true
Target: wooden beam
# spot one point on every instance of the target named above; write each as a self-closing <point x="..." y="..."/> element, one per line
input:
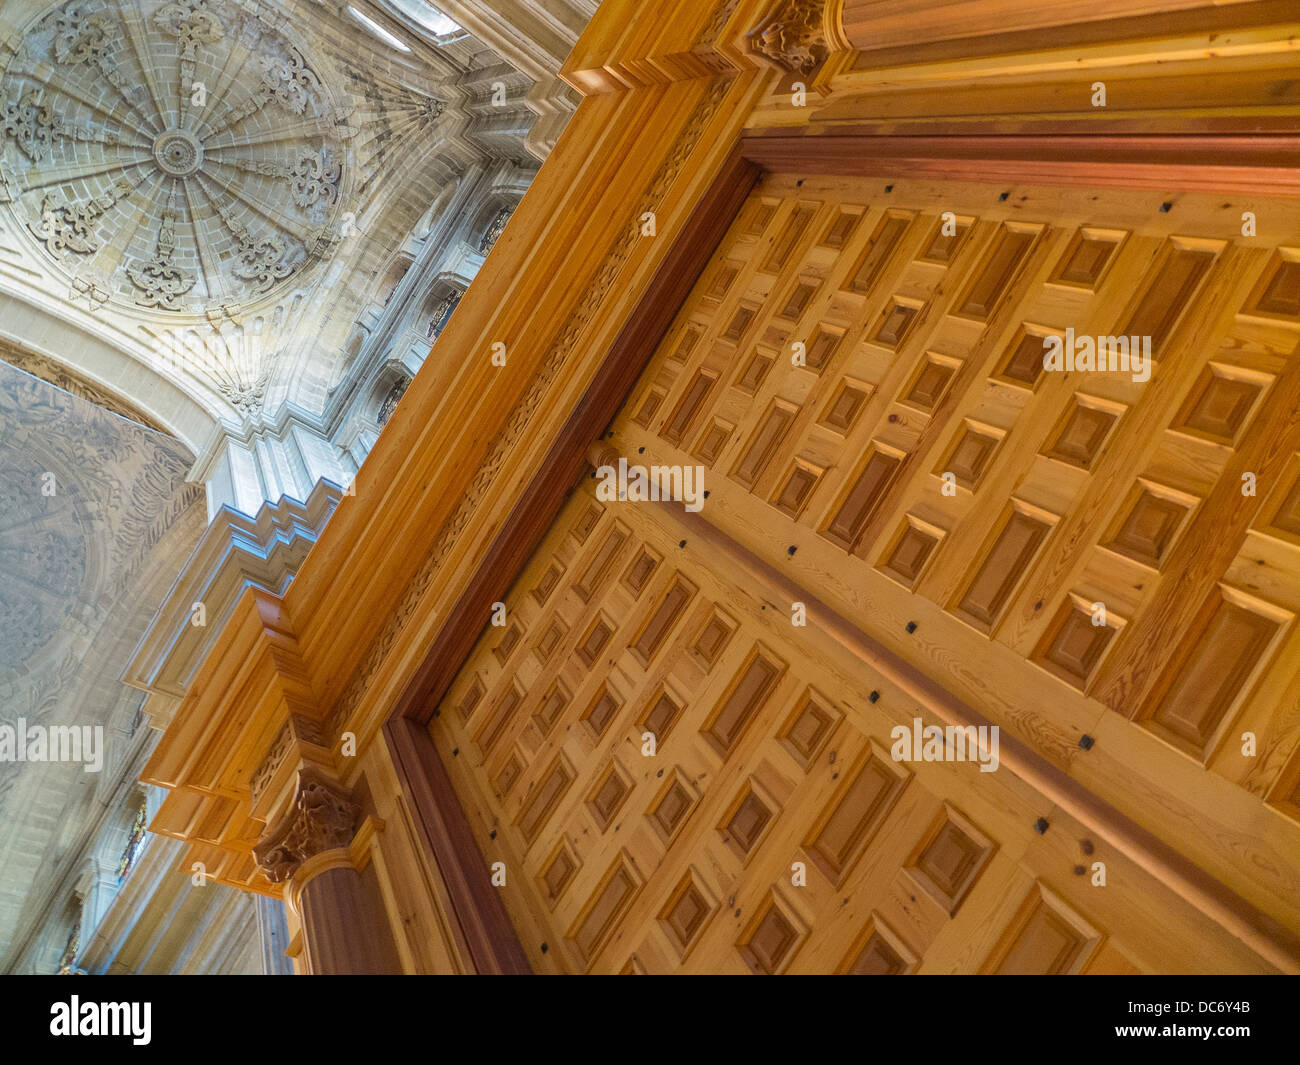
<point x="1231" y="164"/>
<point x="476" y="904"/>
<point x="566" y="460"/>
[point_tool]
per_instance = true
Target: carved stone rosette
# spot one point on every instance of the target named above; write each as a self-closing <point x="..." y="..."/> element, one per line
<point x="321" y="818"/>
<point x="793" y="36"/>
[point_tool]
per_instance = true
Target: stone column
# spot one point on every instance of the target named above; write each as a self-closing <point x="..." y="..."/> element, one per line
<point x="336" y="897"/>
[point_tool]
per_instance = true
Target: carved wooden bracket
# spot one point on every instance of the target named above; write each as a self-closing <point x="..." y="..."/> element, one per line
<point x="793" y="36"/>
<point x="321" y="818"/>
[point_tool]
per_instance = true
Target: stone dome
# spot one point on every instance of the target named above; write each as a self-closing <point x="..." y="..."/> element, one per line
<point x="170" y="155"/>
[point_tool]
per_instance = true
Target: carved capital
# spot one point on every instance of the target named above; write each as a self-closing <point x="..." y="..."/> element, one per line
<point x="793" y="36"/>
<point x="321" y="818"/>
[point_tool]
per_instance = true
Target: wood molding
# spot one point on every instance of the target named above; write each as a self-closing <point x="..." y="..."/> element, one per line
<point x="565" y="462"/>
<point x="480" y="916"/>
<point x="1240" y="164"/>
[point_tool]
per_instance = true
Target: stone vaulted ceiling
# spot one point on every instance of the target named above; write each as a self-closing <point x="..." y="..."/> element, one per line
<point x="95" y="520"/>
<point x="171" y="155"/>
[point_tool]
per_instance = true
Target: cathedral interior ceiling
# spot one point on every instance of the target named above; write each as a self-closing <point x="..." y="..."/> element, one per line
<point x="94" y="516"/>
<point x="191" y="177"/>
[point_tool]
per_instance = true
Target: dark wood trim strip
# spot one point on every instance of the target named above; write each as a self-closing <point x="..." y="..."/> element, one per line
<point x="1241" y="164"/>
<point x="566" y="460"/>
<point x="479" y="913"/>
<point x="1267" y="937"/>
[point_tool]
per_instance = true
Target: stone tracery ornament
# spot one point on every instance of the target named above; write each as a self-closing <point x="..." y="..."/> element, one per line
<point x="258" y="158"/>
<point x="161" y="283"/>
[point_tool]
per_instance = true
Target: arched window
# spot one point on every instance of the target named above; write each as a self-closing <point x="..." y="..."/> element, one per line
<point x="70" y="950"/>
<point x="442" y="314"/>
<point x="134" y="841"/>
<point x="391" y="400"/>
<point x="495" y="229"/>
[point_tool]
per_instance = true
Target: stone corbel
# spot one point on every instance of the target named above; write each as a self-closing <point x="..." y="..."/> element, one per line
<point x="322" y="817"/>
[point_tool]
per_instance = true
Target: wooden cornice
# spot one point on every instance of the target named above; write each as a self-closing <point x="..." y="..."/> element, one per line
<point x="1266" y="164"/>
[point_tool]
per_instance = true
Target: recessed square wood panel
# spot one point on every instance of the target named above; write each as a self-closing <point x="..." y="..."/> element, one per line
<point x="712" y="639"/>
<point x="821" y="348"/>
<point x="686" y="345"/>
<point x="994" y="273"/>
<point x="864" y="497"/>
<point x="661" y="715"/>
<point x="845" y="405"/>
<point x="755" y="373"/>
<point x="1023" y="362"/>
<point x="879" y="951"/>
<point x="690" y="404"/>
<point x="587" y="521"/>
<point x="748" y="818"/>
<point x="593" y="643"/>
<point x="686" y="912"/>
<point x="1009" y="557"/>
<point x="722" y="281"/>
<point x="552" y="706"/>
<point x="1278" y="293"/>
<point x="662" y="619"/>
<point x="492" y="727"/>
<point x="971" y="454"/>
<point x="509" y="641"/>
<point x="604" y="708"/>
<point x="1087" y="257"/>
<point x="505" y="779"/>
<point x="763" y="213"/>
<point x="770" y="942"/>
<point x="544" y="797"/>
<point x="788" y="239"/>
<point x="551" y="638"/>
<point x="1221" y="403"/>
<point x="1082" y="432"/>
<point x="672" y="806"/>
<point x="640" y="571"/>
<point x="895" y="323"/>
<point x="1284" y="796"/>
<point x="765" y="442"/>
<point x="1170" y="290"/>
<point x="1286" y="518"/>
<point x="946" y="238"/>
<point x="797" y="488"/>
<point x="1045" y="938"/>
<point x="470" y="699"/>
<point x="842" y="228"/>
<point x="547" y="584"/>
<point x="558" y="872"/>
<point x="741" y="319"/>
<point x="950" y="859"/>
<point x="806" y="731"/>
<point x="607" y="797"/>
<point x="606" y="907"/>
<point x="713" y="440"/>
<point x="930" y="382"/>
<point x="649" y="407"/>
<point x="598" y="569"/>
<point x="858" y="809"/>
<point x="911" y="551"/>
<point x="751" y="688"/>
<point x="875" y="257"/>
<point x="1150" y="522"/>
<point x="1074" y="644"/>
<point x="799" y="298"/>
<point x="1220" y="655"/>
